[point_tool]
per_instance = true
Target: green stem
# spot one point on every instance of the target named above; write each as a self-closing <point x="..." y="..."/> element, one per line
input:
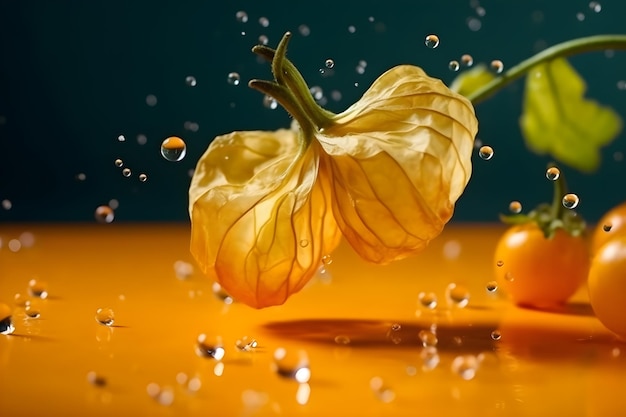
<point x="557" y="208"/>
<point x="575" y="46"/>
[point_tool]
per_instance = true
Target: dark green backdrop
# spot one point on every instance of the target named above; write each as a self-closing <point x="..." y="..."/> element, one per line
<point x="75" y="74"/>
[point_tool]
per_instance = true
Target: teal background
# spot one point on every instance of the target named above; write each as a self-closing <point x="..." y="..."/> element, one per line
<point x="75" y="74"/>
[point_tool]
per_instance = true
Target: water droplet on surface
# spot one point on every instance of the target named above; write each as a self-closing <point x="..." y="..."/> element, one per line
<point x="270" y="102"/>
<point x="467" y="60"/>
<point x="304" y="243"/>
<point x="264" y="21"/>
<point x="515" y="207"/>
<point x="38" y="288"/>
<point x="32" y="311"/>
<point x="553" y="173"/>
<point x="465" y="366"/>
<point x="6" y="324"/>
<point x="432" y="41"/>
<point x="233" y="78"/>
<point x="509" y="277"/>
<point x="127" y="172"/>
<point x="221" y="294"/>
<point x="121" y="138"/>
<point x="497" y="66"/>
<point x="454" y="65"/>
<point x="428" y="338"/>
<point x="607" y="227"/>
<point x="485" y="152"/>
<point x="151" y="100"/>
<point x="495" y="335"/>
<point x="492" y="286"/>
<point x="292" y="365"/>
<point x="428" y="300"/>
<point x="20" y="300"/>
<point x="6" y="204"/>
<point x="94" y="379"/>
<point x="143" y="177"/>
<point x="383" y="392"/>
<point x="191" y="81"/>
<point x="327" y="260"/>
<point x="119" y="163"/>
<point x="329" y="63"/>
<point x="595" y="6"/>
<point x="183" y="270"/>
<point x="499" y="263"/>
<point x="105" y="316"/>
<point x="570" y="201"/>
<point x="246" y="344"/>
<point x="457" y="295"/>
<point x="342" y="339"/>
<point x="173" y="149"/>
<point x="104" y="214"/>
<point x="210" y="349"/>
<point x="241" y="16"/>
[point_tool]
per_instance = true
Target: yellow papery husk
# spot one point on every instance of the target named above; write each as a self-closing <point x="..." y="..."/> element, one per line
<point x="399" y="159"/>
<point x="260" y="215"/>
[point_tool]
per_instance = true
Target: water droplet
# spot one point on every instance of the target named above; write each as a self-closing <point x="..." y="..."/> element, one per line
<point x="304" y="30"/>
<point x="570" y="201"/>
<point x="474" y="24"/>
<point x="595" y="6"/>
<point x="465" y="366"/>
<point x="104" y="214"/>
<point x="14" y="245"/>
<point x="173" y="149"/>
<point x="499" y="263"/>
<point x="94" y="379"/>
<point x="270" y="103"/>
<point x="553" y="173"/>
<point x="151" y="100"/>
<point x="304" y="243"/>
<point x="127" y="172"/>
<point x="452" y="249"/>
<point x="6" y="324"/>
<point x="607" y="227"/>
<point x="580" y="16"/>
<point x="246" y="344"/>
<point x="395" y="327"/>
<point x="27" y="239"/>
<point x="221" y="294"/>
<point x="383" y="392"/>
<point x="6" y="204"/>
<point x="430" y="358"/>
<point x="241" y="16"/>
<point x="119" y="163"/>
<point x="105" y="316"/>
<point x="21" y="300"/>
<point x="233" y="78"/>
<point x="467" y="60"/>
<point x="32" y="310"/>
<point x="515" y="207"/>
<point x="191" y="81"/>
<point x="457" y="295"/>
<point x="428" y="338"/>
<point x="165" y="396"/>
<point x="292" y="365"/>
<point x="142" y="139"/>
<point x="432" y="41"/>
<point x="492" y="286"/>
<point x="209" y="349"/>
<point x="327" y="260"/>
<point x="114" y="204"/>
<point x="509" y="277"/>
<point x="121" y="138"/>
<point x="495" y="335"/>
<point x="329" y="63"/>
<point x="351" y="29"/>
<point x="342" y="339"/>
<point x="194" y="384"/>
<point x="497" y="66"/>
<point x="428" y="300"/>
<point x="485" y="152"/>
<point x="143" y="177"/>
<point x="38" y="288"/>
<point x="183" y="270"/>
<point x="263" y="39"/>
<point x="264" y="21"/>
<point x="621" y="85"/>
<point x="81" y="176"/>
<point x="454" y="65"/>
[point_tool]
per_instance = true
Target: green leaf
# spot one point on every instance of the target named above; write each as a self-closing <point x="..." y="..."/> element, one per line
<point x="559" y="121"/>
<point x="471" y="80"/>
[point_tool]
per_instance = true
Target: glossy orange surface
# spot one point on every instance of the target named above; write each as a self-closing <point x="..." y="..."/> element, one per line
<point x="359" y="326"/>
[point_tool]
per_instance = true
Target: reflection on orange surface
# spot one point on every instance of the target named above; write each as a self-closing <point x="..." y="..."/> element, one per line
<point x="360" y="328"/>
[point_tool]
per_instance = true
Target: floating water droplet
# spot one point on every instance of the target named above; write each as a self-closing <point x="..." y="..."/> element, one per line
<point x="497" y="66"/>
<point x="515" y="207"/>
<point x="428" y="338"/>
<point x="474" y="24"/>
<point x="509" y="277"/>
<point x="351" y="29"/>
<point x="151" y="100"/>
<point x="457" y="295"/>
<point x="191" y="81"/>
<point x="233" y="78"/>
<point x="165" y="396"/>
<point x="94" y="379"/>
<point x="292" y="365"/>
<point x="127" y="172"/>
<point x="383" y="392"/>
<point x="580" y="16"/>
<point x="607" y="227"/>
<point x="15" y="245"/>
<point x="142" y="139"/>
<point x="342" y="339"/>
<point x="21" y="300"/>
<point x="6" y="324"/>
<point x="595" y="6"/>
<point x="6" y="204"/>
<point x="241" y="16"/>
<point x="38" y="288"/>
<point x="270" y="102"/>
<point x="452" y="249"/>
<point x="119" y="163"/>
<point x="173" y="149"/>
<point x="304" y="30"/>
<point x="427" y="300"/>
<point x="495" y="335"/>
<point x="105" y="316"/>
<point x="264" y="21"/>
<point x="27" y="239"/>
<point x="430" y="358"/>
<point x="222" y="295"/>
<point x="396" y="327"/>
<point x="183" y="270"/>
<point x="114" y="204"/>
<point x="621" y="85"/>
<point x="553" y="173"/>
<point x="465" y="366"/>
<point x="570" y="201"/>
<point x="104" y="214"/>
<point x="194" y="384"/>
<point x="143" y="177"/>
<point x="467" y="60"/>
<point x="121" y="138"/>
<point x="492" y="286"/>
<point x="246" y="344"/>
<point x="454" y="65"/>
<point x="432" y="41"/>
<point x="210" y="348"/>
<point x="81" y="176"/>
<point x="329" y="63"/>
<point x="485" y="152"/>
<point x="32" y="310"/>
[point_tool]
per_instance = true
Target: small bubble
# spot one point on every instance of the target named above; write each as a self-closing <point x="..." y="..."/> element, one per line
<point x="119" y="163"/>
<point x="304" y="243"/>
<point x="233" y="78"/>
<point x="142" y="139"/>
<point x="485" y="152"/>
<point x="241" y="16"/>
<point x="6" y="204"/>
<point x="246" y="344"/>
<point x="396" y="327"/>
<point x="495" y="335"/>
<point x="32" y="311"/>
<point x="509" y="277"/>
<point x="292" y="366"/>
<point x="595" y="6"/>
<point x="465" y="366"/>
<point x="570" y="201"/>
<point x="208" y="349"/>
<point x="194" y="384"/>
<point x="121" y="138"/>
<point x="191" y="81"/>
<point x="151" y="100"/>
<point x="480" y="11"/>
<point x="607" y="227"/>
<point x="351" y="29"/>
<point x="165" y="396"/>
<point x="342" y="339"/>
<point x="580" y="16"/>
<point x="173" y="149"/>
<point x="15" y="245"/>
<point x="222" y="295"/>
<point x="263" y="40"/>
<point x="430" y="358"/>
<point x="327" y="260"/>
<point x="467" y="60"/>
<point x="492" y="286"/>
<point x="104" y="214"/>
<point x="497" y="66"/>
<point x="452" y="249"/>
<point x="454" y="65"/>
<point x="427" y="300"/>
<point x="81" y="176"/>
<point x="264" y="21"/>
<point x="127" y="172"/>
<point x="183" y="270"/>
<point x="553" y="173"/>
<point x="27" y="239"/>
<point x="428" y="338"/>
<point x="105" y="316"/>
<point x="457" y="295"/>
<point x="94" y="379"/>
<point x="38" y="288"/>
<point x="474" y="24"/>
<point x="191" y="126"/>
<point x="143" y="177"/>
<point x="515" y="207"/>
<point x="329" y="63"/>
<point x="6" y="324"/>
<point x="270" y="103"/>
<point x="304" y="30"/>
<point x="432" y="41"/>
<point x="621" y="85"/>
<point x="370" y="19"/>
